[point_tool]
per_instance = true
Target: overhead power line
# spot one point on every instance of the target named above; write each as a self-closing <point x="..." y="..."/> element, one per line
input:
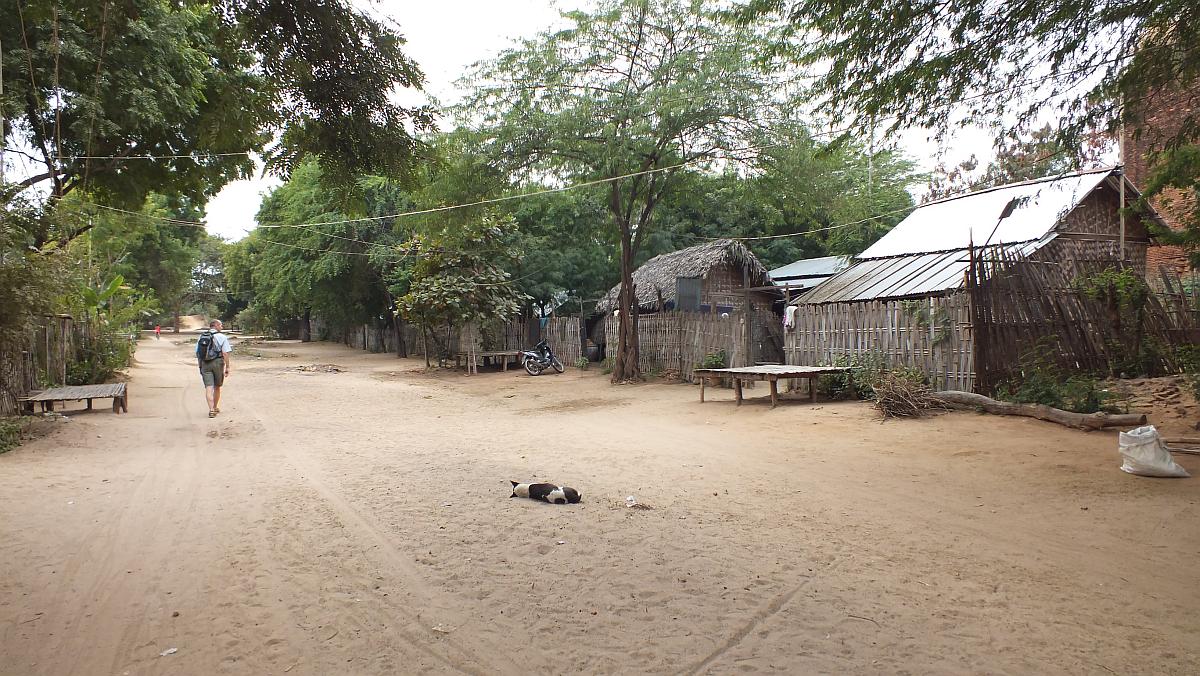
<point x="192" y="156"/>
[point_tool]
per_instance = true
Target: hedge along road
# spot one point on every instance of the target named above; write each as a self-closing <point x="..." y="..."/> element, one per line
<point x="359" y="522"/>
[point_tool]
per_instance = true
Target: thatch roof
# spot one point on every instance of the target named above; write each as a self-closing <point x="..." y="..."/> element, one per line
<point x="657" y="276"/>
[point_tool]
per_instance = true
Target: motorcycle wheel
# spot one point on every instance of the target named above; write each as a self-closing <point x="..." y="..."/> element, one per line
<point x="533" y="368"/>
<point x="558" y="365"/>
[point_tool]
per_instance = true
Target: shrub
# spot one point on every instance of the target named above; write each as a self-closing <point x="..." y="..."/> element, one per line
<point x="1188" y="358"/>
<point x="607" y="366"/>
<point x="582" y="363"/>
<point x="1041" y="381"/>
<point x="11" y="430"/>
<point x="866" y="370"/>
<point x="714" y="360"/>
<point x="99" y="357"/>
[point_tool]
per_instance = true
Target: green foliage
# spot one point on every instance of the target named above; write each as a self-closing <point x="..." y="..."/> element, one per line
<point x="582" y="363"/>
<point x="338" y="271"/>
<point x="941" y="65"/>
<point x="865" y="372"/>
<point x="938" y="320"/>
<point x="1039" y="380"/>
<point x="201" y="84"/>
<point x="11" y="431"/>
<point x="459" y="277"/>
<point x="634" y="86"/>
<point x="1176" y="167"/>
<point x="1124" y="294"/>
<point x="113" y="311"/>
<point x="1038" y="154"/>
<point x="29" y="280"/>
<point x="1188" y="359"/>
<point x="714" y="360"/>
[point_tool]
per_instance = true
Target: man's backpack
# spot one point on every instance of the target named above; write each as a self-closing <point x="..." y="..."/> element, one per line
<point x="207" y="347"/>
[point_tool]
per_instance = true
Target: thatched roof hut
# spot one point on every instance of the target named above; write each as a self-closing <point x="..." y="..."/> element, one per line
<point x="717" y="264"/>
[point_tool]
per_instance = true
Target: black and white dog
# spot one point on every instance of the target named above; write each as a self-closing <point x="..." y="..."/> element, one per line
<point x="556" y="495"/>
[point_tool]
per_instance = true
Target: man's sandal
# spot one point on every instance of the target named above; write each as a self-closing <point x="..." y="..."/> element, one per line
<point x="212" y="414"/>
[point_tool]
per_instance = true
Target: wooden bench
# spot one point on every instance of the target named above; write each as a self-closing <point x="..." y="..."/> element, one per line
<point x="116" y="391"/>
<point x="772" y="374"/>
<point x="473" y="358"/>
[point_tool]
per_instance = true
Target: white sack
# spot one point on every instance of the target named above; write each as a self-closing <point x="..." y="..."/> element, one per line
<point x="1145" y="454"/>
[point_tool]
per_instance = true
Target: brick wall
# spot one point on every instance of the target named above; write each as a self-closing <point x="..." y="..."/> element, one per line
<point x="1162" y="115"/>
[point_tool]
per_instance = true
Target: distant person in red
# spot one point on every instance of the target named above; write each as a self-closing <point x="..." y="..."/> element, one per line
<point x="157" y="332"/>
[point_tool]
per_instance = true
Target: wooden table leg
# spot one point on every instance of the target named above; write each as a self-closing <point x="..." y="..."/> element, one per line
<point x="737" y="389"/>
<point x="505" y="361"/>
<point x="812" y="390"/>
<point x="89" y="401"/>
<point x="774" y="392"/>
<point x="702" y="379"/>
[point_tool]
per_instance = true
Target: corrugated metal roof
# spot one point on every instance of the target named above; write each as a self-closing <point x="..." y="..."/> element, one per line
<point x="918" y="274"/>
<point x="809" y="272"/>
<point x="956" y="222"/>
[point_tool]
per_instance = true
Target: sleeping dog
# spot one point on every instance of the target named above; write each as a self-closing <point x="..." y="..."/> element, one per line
<point x="556" y="495"/>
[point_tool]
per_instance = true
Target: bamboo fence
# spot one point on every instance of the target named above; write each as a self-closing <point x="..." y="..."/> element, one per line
<point x="37" y="359"/>
<point x="1020" y="305"/>
<point x="673" y="344"/>
<point x="931" y="334"/>
<point x="562" y="334"/>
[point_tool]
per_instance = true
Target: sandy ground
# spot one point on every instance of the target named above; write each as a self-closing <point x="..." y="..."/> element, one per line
<point x="359" y="522"/>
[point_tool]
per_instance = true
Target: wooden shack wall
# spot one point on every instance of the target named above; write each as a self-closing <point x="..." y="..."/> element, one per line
<point x="38" y="358"/>
<point x="930" y="334"/>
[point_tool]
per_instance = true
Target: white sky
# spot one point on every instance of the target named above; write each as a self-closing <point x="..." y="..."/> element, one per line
<point x="445" y="38"/>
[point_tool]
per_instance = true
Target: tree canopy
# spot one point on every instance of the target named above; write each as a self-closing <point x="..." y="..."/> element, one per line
<point x="1089" y="65"/>
<point x="91" y="89"/>
<point x="630" y="93"/>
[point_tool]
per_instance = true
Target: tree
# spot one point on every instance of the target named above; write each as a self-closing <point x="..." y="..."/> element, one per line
<point x="629" y="94"/>
<point x="1038" y="155"/>
<point x="199" y="85"/>
<point x="334" y="265"/>
<point x="1004" y="66"/>
<point x="459" y="277"/>
<point x="152" y="250"/>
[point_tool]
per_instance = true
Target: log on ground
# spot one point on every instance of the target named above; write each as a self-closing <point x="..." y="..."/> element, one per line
<point x="1083" y="421"/>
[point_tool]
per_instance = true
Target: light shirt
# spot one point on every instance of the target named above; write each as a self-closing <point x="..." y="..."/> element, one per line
<point x="220" y="340"/>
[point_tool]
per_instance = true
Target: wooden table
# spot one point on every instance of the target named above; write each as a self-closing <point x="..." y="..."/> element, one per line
<point x="772" y="374"/>
<point x="117" y="391"/>
<point x="473" y="364"/>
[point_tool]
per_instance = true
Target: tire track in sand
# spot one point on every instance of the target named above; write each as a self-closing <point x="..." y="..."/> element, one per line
<point x="417" y="632"/>
<point x="767" y="612"/>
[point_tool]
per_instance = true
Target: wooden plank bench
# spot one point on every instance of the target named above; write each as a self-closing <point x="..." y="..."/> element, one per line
<point x="118" y="392"/>
<point x="771" y="373"/>
<point x="473" y="364"/>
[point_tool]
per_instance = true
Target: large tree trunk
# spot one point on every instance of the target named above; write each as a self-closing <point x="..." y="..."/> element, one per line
<point x="625" y="362"/>
<point x="306" y="326"/>
<point x="1084" y="421"/>
<point x="401" y="348"/>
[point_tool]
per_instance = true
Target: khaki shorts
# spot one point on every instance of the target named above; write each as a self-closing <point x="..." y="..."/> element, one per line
<point x="213" y="372"/>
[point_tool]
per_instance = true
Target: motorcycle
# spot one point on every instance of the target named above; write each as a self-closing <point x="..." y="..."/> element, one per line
<point x="540" y="358"/>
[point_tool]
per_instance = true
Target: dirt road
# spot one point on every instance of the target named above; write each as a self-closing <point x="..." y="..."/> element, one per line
<point x="359" y="522"/>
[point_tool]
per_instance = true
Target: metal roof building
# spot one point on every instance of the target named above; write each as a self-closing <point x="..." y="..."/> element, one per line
<point x="809" y="272"/>
<point x="927" y="253"/>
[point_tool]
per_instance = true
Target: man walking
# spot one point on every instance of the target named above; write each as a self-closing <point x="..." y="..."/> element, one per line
<point x="212" y="353"/>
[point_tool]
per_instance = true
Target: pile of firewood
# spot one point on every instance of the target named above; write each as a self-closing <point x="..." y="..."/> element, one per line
<point x="903" y="395"/>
